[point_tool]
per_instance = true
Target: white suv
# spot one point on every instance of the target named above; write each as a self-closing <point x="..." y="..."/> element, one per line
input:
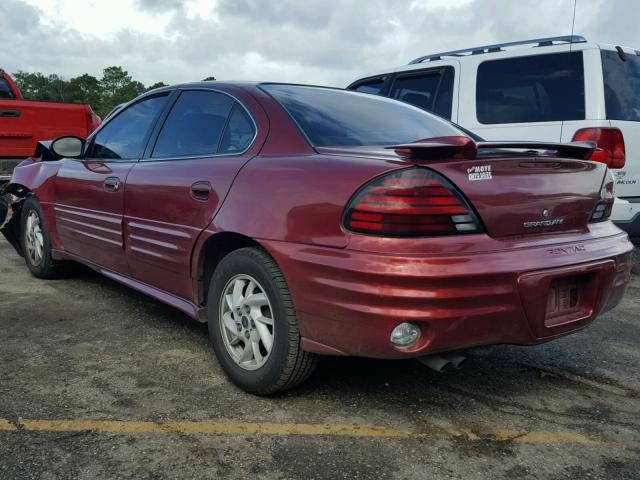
<point x="547" y="89"/>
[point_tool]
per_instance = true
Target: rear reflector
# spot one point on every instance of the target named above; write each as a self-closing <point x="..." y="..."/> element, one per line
<point x="413" y="202"/>
<point x="610" y="142"/>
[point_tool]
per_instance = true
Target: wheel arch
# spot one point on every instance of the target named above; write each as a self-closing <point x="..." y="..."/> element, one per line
<point x="214" y="249"/>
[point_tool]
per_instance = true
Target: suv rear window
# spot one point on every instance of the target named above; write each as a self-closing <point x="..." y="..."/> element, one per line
<point x="621" y="86"/>
<point x="430" y="90"/>
<point x="341" y="118"/>
<point x="5" y="89"/>
<point x="540" y="88"/>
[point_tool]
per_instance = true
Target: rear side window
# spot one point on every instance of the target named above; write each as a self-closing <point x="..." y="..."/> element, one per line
<point x="540" y="88"/>
<point x="373" y="86"/>
<point x="123" y="137"/>
<point x="5" y="89"/>
<point x="621" y="86"/>
<point x="431" y="91"/>
<point x="194" y="126"/>
<point x="239" y="133"/>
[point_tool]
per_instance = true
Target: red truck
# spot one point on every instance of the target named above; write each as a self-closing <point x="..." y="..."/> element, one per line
<point x="24" y="122"/>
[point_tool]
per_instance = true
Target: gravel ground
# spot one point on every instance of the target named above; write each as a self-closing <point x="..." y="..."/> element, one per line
<point x="85" y="350"/>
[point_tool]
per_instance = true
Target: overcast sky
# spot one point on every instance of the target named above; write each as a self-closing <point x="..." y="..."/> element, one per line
<point x="308" y="41"/>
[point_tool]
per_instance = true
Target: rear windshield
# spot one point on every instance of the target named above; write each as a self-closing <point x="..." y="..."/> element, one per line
<point x="621" y="86"/>
<point x="341" y="118"/>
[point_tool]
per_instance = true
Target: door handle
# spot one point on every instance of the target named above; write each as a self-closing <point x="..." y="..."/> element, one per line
<point x="112" y="184"/>
<point x="10" y="113"/>
<point x="201" y="190"/>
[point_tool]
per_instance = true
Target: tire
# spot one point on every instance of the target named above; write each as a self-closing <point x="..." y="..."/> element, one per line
<point x="251" y="272"/>
<point x="36" y="241"/>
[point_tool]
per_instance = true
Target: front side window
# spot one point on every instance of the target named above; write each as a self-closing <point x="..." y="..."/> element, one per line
<point x="195" y="125"/>
<point x="621" y="85"/>
<point x="342" y="118"/>
<point x="123" y="136"/>
<point x="540" y="88"/>
<point x="5" y="89"/>
<point x="431" y="90"/>
<point x="373" y="86"/>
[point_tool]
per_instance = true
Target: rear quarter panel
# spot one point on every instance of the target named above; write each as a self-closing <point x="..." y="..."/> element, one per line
<point x="298" y="198"/>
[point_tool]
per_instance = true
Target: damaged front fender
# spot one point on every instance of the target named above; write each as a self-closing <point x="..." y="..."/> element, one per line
<point x="11" y="198"/>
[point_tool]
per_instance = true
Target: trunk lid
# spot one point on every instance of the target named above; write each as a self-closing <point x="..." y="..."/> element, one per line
<point x="514" y="193"/>
<point x="527" y="195"/>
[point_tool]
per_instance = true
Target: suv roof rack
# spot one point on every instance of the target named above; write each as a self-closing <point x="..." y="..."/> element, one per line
<point x="540" y="42"/>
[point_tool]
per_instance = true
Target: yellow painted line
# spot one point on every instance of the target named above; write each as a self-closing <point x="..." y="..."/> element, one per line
<point x="550" y="438"/>
<point x="219" y="428"/>
<point x="304" y="429"/>
<point x="6" y="425"/>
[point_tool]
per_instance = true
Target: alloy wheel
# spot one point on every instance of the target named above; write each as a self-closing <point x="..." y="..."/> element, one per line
<point x="34" y="238"/>
<point x="246" y="322"/>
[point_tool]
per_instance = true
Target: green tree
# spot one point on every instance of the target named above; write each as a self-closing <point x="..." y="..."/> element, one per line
<point x="115" y="87"/>
<point x="34" y="86"/>
<point x="85" y="89"/>
<point x="156" y="85"/>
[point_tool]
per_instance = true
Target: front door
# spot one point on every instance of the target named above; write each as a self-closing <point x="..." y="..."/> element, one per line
<point x="173" y="193"/>
<point x="90" y="192"/>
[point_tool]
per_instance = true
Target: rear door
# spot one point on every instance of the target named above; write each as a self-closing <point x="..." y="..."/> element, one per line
<point x="433" y="89"/>
<point x="430" y="89"/>
<point x="90" y="192"/>
<point x="174" y="192"/>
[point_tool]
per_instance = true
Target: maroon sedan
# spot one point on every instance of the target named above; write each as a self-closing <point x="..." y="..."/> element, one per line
<point x="302" y="220"/>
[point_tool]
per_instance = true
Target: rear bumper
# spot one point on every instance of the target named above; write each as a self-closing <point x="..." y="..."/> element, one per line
<point x="626" y="215"/>
<point x="348" y="301"/>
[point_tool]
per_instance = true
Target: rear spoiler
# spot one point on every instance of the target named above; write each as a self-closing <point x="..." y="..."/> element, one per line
<point x="464" y="148"/>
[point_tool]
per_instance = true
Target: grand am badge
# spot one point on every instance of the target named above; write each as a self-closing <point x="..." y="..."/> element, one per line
<point x="543" y="223"/>
<point x="479" y="172"/>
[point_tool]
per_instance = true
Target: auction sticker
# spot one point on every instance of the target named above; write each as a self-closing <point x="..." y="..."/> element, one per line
<point x="479" y="172"/>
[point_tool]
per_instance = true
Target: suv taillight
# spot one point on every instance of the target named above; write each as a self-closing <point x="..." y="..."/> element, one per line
<point x="93" y="121"/>
<point x="414" y="202"/>
<point x="610" y="140"/>
<point x="603" y="208"/>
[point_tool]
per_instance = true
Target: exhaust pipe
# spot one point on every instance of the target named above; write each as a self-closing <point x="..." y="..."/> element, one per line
<point x="456" y="360"/>
<point x="435" y="362"/>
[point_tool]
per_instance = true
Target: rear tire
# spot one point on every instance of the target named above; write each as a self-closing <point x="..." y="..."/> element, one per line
<point x="35" y="241"/>
<point x="252" y="324"/>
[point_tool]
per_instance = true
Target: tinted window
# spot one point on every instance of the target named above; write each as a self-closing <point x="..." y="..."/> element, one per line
<point x="427" y="90"/>
<point x="123" y="136"/>
<point x="239" y="132"/>
<point x="331" y="117"/>
<point x="539" y="88"/>
<point x="5" y="90"/>
<point x="621" y="86"/>
<point x="194" y="126"/>
<point x="370" y="86"/>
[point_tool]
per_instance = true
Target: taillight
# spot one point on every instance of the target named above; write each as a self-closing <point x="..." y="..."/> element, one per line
<point x="93" y="121"/>
<point x="603" y="208"/>
<point x="414" y="202"/>
<point x="609" y="140"/>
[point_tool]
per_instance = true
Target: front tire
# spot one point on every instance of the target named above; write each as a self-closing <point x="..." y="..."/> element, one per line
<point x="252" y="324"/>
<point x="35" y="240"/>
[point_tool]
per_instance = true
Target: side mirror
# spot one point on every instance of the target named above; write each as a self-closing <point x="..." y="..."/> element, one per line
<point x="68" y="147"/>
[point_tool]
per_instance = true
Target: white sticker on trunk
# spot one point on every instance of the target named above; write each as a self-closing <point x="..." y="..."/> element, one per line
<point x="479" y="172"/>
